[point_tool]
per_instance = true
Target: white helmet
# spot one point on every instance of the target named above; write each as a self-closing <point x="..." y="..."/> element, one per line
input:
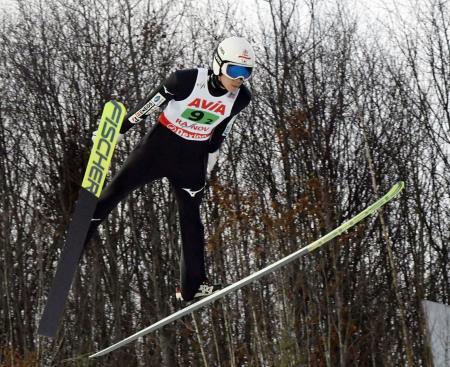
<point x="234" y="57"/>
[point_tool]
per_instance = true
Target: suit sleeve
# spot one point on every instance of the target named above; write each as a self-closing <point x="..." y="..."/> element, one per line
<point x="155" y="100"/>
<point x="220" y="133"/>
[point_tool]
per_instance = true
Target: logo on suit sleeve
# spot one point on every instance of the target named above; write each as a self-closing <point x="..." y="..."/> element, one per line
<point x="150" y="106"/>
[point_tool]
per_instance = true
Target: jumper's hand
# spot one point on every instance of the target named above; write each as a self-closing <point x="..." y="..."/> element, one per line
<point x="94" y="136"/>
<point x="212" y="160"/>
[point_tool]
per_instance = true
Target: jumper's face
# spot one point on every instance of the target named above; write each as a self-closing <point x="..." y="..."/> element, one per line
<point x="231" y="85"/>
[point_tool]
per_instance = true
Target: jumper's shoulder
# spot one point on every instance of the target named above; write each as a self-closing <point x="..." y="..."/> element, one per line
<point x="243" y="99"/>
<point x="245" y="94"/>
<point x="185" y="75"/>
<point x="181" y="82"/>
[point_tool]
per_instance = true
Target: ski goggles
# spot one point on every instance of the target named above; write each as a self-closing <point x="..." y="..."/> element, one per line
<point x="234" y="71"/>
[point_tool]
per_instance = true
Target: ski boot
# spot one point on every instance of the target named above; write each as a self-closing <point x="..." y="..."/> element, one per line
<point x="205" y="289"/>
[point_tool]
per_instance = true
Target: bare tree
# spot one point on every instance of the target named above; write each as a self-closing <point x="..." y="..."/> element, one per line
<point x="336" y="118"/>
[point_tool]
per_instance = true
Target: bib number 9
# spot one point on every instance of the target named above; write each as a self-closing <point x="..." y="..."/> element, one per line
<point x="196" y="116"/>
<point x="200" y="117"/>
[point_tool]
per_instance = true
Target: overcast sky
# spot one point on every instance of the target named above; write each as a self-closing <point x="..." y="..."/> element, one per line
<point x="367" y="8"/>
<point x="369" y="12"/>
<point x="5" y="3"/>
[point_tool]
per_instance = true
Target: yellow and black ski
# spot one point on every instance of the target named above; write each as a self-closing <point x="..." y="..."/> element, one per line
<point x="94" y="178"/>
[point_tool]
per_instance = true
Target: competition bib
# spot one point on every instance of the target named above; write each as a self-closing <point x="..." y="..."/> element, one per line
<point x="195" y="117"/>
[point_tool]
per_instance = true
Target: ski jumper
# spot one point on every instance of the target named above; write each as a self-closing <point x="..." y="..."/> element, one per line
<point x="197" y="115"/>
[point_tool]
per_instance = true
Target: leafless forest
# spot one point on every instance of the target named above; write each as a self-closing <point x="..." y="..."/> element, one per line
<point x="339" y="114"/>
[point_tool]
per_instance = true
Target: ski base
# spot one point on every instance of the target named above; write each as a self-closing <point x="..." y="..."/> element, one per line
<point x="67" y="263"/>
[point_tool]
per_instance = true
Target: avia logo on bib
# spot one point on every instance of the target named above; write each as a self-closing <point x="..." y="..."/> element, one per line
<point x="217" y="107"/>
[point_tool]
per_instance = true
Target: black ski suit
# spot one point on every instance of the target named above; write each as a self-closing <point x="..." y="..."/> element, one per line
<point x="164" y="153"/>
